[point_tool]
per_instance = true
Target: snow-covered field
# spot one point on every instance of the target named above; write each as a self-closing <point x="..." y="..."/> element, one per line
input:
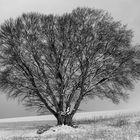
<point x="105" y="125"/>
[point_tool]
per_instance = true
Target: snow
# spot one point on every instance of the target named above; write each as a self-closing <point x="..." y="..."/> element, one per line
<point x="82" y="115"/>
<point x="17" y="133"/>
<point x="28" y="119"/>
<point x="53" y="131"/>
<point x="64" y="129"/>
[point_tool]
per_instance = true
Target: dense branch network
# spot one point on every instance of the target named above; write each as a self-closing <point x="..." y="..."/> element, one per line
<point x="53" y="62"/>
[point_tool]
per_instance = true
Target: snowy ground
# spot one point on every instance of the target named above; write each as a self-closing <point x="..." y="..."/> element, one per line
<point x="109" y="125"/>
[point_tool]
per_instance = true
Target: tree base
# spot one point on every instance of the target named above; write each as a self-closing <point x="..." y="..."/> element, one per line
<point x="43" y="129"/>
<point x="64" y="120"/>
<point x="61" y="120"/>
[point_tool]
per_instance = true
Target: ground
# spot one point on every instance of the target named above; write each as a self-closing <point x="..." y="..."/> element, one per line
<point x="111" y="125"/>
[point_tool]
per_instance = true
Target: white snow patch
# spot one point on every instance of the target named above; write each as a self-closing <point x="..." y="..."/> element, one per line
<point x="64" y="129"/>
<point x="7" y="134"/>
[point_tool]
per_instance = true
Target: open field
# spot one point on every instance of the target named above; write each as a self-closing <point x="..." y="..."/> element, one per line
<point x="109" y="125"/>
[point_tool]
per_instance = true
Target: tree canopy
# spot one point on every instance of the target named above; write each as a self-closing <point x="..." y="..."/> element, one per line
<point x="52" y="62"/>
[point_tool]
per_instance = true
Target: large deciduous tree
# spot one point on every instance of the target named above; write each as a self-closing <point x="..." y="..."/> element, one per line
<point x="52" y="63"/>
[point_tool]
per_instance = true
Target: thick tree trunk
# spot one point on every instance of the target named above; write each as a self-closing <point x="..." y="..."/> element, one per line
<point x="68" y="120"/>
<point x="64" y="120"/>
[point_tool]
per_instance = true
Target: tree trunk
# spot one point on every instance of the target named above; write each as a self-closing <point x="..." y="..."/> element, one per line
<point x="68" y="120"/>
<point x="64" y="120"/>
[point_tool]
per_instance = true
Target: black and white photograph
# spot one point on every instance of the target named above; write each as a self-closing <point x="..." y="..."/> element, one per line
<point x="69" y="70"/>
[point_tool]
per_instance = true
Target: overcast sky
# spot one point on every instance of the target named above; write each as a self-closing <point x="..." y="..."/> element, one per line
<point x="126" y="11"/>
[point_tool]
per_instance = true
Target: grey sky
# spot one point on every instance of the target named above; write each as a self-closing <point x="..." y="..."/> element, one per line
<point x="128" y="11"/>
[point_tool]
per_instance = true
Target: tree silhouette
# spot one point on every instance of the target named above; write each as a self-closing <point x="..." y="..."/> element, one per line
<point x="51" y="63"/>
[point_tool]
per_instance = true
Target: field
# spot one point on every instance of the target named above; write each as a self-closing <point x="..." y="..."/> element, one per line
<point x="109" y="125"/>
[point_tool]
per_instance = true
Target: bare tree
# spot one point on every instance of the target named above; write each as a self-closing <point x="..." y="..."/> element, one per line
<point x="53" y="62"/>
